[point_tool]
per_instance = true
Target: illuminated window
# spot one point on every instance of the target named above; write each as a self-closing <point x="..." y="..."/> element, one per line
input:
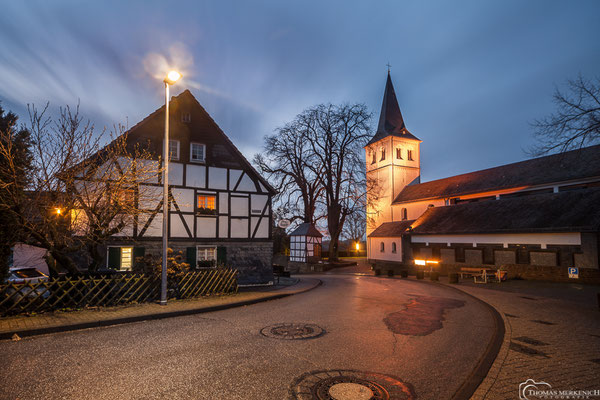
<point x="174" y="149"/>
<point x="197" y="152"/>
<point x="399" y="153"/>
<point x="393" y="247"/>
<point x="207" y="253"/>
<point x="382" y="154"/>
<point x="410" y="155"/>
<point x="206" y="202"/>
<point x="126" y="258"/>
<point x="382" y="247"/>
<point x="404" y="214"/>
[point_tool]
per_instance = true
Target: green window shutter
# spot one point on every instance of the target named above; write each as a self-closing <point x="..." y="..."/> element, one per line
<point x="114" y="258"/>
<point x="139" y="252"/>
<point x="221" y="255"/>
<point x="190" y="254"/>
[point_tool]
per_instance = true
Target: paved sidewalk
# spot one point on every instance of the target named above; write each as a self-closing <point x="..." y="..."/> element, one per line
<point x="552" y="335"/>
<point x="89" y="318"/>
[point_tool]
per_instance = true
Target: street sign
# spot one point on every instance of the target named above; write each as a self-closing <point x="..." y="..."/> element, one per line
<point x="573" y="272"/>
<point x="284" y="223"/>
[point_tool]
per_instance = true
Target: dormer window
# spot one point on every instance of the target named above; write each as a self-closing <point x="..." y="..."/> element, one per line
<point x="186" y="117"/>
<point x="399" y="153"/>
<point x="382" y="154"/>
<point x="197" y="152"/>
<point x="174" y="149"/>
<point x="410" y="157"/>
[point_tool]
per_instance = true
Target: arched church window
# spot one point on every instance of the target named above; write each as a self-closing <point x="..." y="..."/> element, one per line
<point x="399" y="153"/>
<point x="373" y="157"/>
<point x="404" y="214"/>
<point x="381" y="247"/>
<point x="430" y="206"/>
<point x="382" y="154"/>
<point x="393" y="247"/>
<point x="410" y="157"/>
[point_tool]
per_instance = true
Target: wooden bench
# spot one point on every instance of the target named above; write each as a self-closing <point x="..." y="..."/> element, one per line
<point x="481" y="274"/>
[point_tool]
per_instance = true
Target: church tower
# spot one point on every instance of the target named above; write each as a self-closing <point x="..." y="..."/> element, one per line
<point x="393" y="161"/>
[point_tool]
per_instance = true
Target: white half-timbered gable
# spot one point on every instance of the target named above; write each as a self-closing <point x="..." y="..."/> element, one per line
<point x="220" y="207"/>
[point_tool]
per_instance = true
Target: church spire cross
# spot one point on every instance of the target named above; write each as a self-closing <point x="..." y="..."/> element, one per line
<point x="389" y="66"/>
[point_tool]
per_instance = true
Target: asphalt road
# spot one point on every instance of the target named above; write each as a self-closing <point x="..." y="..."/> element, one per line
<point x="440" y="336"/>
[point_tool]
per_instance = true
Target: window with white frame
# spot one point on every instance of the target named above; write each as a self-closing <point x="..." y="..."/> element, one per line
<point x="206" y="253"/>
<point x="174" y="149"/>
<point x="197" y="152"/>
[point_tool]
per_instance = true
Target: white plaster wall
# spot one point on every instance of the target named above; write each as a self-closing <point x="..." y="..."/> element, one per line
<point x="239" y="227"/>
<point x="175" y="174"/>
<point x="239" y="206"/>
<point x="151" y="167"/>
<point x="246" y="184"/>
<point x="257" y="203"/>
<point x="234" y="175"/>
<point x="223" y="227"/>
<point x="223" y="203"/>
<point x="262" y="187"/>
<point x="415" y="209"/>
<point x="150" y="196"/>
<point x="217" y="178"/>
<point x="177" y="227"/>
<point x="155" y="228"/>
<point x="195" y="176"/>
<point x="544" y="239"/>
<point x="206" y="227"/>
<point x="387" y="255"/>
<point x="263" y="228"/>
<point x="184" y="199"/>
<point x="127" y="229"/>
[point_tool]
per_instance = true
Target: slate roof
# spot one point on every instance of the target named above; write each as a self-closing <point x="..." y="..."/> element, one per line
<point x="572" y="211"/>
<point x="306" y="229"/>
<point x="391" y="122"/>
<point x="572" y="165"/>
<point x="392" y="229"/>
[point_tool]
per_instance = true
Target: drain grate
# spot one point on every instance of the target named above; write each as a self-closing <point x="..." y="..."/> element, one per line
<point x="531" y="341"/>
<point x="292" y="331"/>
<point x="539" y="321"/>
<point x="527" y="350"/>
<point x="349" y="385"/>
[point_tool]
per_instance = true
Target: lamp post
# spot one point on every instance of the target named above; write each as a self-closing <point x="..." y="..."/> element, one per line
<point x="171" y="78"/>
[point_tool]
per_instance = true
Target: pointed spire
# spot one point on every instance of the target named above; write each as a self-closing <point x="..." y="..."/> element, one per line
<point x="390" y="118"/>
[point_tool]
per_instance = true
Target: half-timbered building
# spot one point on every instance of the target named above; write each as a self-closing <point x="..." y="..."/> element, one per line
<point x="220" y="207"/>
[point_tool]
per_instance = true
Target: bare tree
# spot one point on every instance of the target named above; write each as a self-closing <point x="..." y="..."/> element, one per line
<point x="576" y="122"/>
<point x="79" y="194"/>
<point x="337" y="134"/>
<point x="291" y="167"/>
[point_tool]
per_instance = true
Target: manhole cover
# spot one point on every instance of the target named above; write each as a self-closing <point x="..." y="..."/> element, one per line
<point x="291" y="331"/>
<point x="349" y="385"/>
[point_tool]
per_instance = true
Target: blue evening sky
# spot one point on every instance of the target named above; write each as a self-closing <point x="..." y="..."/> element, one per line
<point x="469" y="75"/>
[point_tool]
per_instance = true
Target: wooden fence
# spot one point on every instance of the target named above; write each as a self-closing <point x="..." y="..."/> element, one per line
<point x="114" y="290"/>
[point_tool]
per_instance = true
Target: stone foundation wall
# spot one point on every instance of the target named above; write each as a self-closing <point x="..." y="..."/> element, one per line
<point x="253" y="260"/>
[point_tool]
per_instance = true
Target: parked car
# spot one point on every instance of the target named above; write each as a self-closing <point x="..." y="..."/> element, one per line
<point x="24" y="276"/>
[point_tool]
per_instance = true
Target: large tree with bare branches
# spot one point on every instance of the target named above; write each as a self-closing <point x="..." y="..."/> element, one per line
<point x="576" y="121"/>
<point x="78" y="193"/>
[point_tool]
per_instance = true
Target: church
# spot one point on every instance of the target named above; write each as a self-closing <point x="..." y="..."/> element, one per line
<point x="535" y="219"/>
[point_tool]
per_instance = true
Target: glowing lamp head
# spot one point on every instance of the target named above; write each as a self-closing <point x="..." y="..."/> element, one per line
<point x="420" y="262"/>
<point x="357" y="246"/>
<point x="172" y="77"/>
<point x="58" y="210"/>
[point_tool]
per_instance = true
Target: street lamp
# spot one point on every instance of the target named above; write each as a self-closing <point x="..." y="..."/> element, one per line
<point x="171" y="78"/>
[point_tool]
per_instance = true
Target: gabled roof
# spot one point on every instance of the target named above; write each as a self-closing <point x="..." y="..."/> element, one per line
<point x="572" y="165"/>
<point x="306" y="229"/>
<point x="572" y="211"/>
<point x="391" y="122"/>
<point x="203" y="124"/>
<point x="392" y="229"/>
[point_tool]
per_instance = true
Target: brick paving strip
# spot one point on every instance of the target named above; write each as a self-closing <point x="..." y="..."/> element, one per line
<point x="90" y="318"/>
<point x="548" y="338"/>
